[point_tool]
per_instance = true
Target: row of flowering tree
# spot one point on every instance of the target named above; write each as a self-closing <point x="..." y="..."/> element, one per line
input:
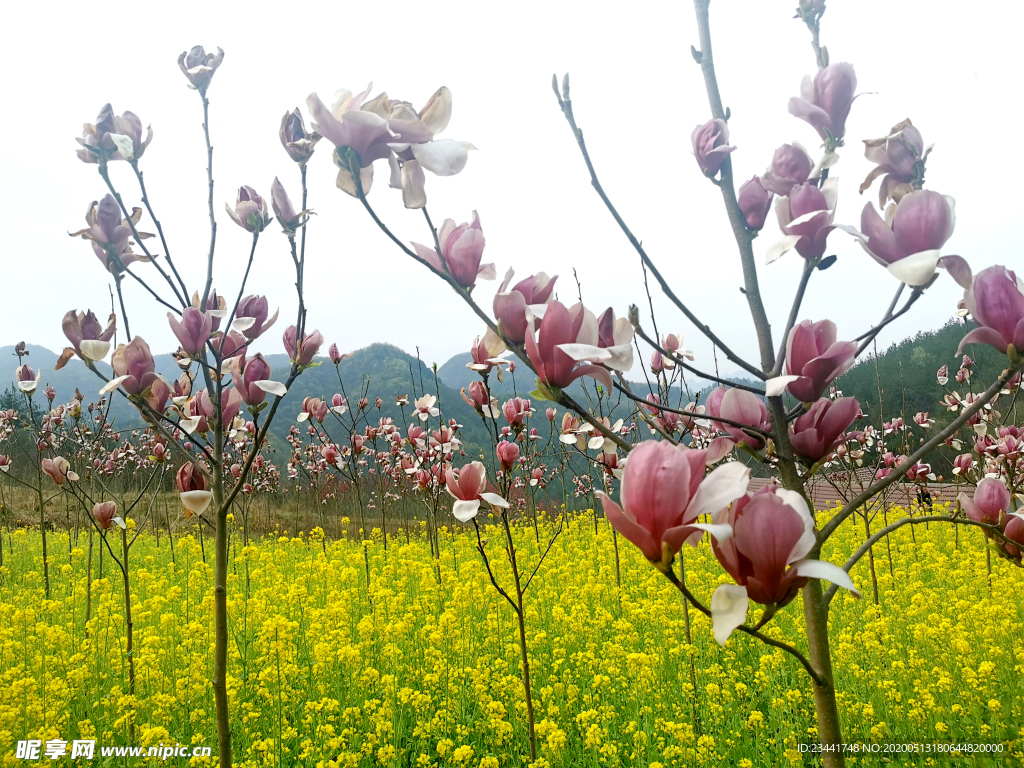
<point x="683" y="476"/>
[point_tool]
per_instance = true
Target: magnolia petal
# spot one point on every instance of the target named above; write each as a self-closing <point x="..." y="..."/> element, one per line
<point x="444" y="157"/>
<point x="243" y="323"/>
<point x="597" y="441"/>
<point x="494" y="500"/>
<point x="822" y="569"/>
<point x="196" y="502"/>
<point x="728" y="610"/>
<point x="719" y="489"/>
<point x="464" y="511"/>
<point x="780" y="247"/>
<point x="718" y="449"/>
<point x="94" y="349"/>
<point x="189" y="424"/>
<point x="119" y="522"/>
<point x="916" y="270"/>
<point x="775" y="387"/>
<point x="585" y="352"/>
<point x="721" y="531"/>
<point x="111" y="385"/>
<point x="807" y="539"/>
<point x="124" y="145"/>
<point x="272" y="387"/>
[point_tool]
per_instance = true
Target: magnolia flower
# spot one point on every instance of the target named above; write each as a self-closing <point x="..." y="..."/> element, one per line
<point x="5" y="463"/>
<point x="805" y="218"/>
<point x="250" y="211"/>
<point x="516" y="411"/>
<point x="510" y="304"/>
<point x="817" y="431"/>
<point x="825" y="101"/>
<point x="285" y="212"/>
<point x="711" y="146"/>
<point x="480" y="399"/>
<point x="199" y="66"/>
<point x="360" y="135"/>
<point x="486" y="353"/>
<point x="251" y="316"/>
<point x="791" y="166"/>
<point x="996" y="302"/>
<point x="89" y="340"/>
<point x="301" y="352"/>
<point x="113" y="137"/>
<point x="990" y="502"/>
<point x="193" y="330"/>
<point x="900" y="156"/>
<point x="191" y="484"/>
<point x="772" y="534"/>
<point x="508" y="455"/>
<point x="814" y="359"/>
<point x="296" y="141"/>
<point x="616" y="336"/>
<point x="462" y="247"/>
<point x="110" y="234"/>
<point x="28" y="380"/>
<point x="426" y="408"/>
<point x="742" y="407"/>
<point x="442" y="157"/>
<point x="664" y="492"/>
<point x="755" y="202"/>
<point x="963" y="463"/>
<point x="58" y="469"/>
<point x="909" y="240"/>
<point x="134" y="369"/>
<point x="467" y="488"/>
<point x="252" y="379"/>
<point x="105" y="513"/>
<point x="563" y="338"/>
<point x="942" y="375"/>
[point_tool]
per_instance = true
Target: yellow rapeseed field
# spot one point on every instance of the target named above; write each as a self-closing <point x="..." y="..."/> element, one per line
<point x="329" y="668"/>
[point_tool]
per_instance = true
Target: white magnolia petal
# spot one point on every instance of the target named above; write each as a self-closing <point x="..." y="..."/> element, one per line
<point x="494" y="500"/>
<point x="830" y="191"/>
<point x="189" y="424"/>
<point x="776" y="386"/>
<point x="728" y="610"/>
<point x="822" y="569"/>
<point x="464" y="511"/>
<point x="119" y="521"/>
<point x="243" y="323"/>
<point x="620" y="357"/>
<point x="568" y="439"/>
<point x="779" y="248"/>
<point x="917" y="269"/>
<point x="110" y="386"/>
<point x="196" y="501"/>
<point x="807" y="540"/>
<point x="218" y="313"/>
<point x="273" y="387"/>
<point x="124" y="145"/>
<point x="443" y="157"/>
<point x="94" y="349"/>
<point x="719" y="489"/>
<point x="721" y="531"/>
<point x="597" y="441"/>
<point x="585" y="352"/>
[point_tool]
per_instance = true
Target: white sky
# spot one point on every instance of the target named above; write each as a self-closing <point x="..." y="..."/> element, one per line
<point x="637" y="95"/>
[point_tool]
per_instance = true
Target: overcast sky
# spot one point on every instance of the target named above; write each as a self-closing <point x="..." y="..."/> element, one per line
<point x="637" y="96"/>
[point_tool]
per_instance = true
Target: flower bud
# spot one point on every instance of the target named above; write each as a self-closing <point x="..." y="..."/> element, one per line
<point x="250" y="211"/>
<point x="711" y="145"/>
<point x="755" y="202"/>
<point x="199" y="66"/>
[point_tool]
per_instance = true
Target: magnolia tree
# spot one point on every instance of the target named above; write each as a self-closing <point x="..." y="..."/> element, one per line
<point x="673" y="489"/>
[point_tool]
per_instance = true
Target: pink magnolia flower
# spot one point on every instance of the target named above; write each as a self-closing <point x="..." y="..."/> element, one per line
<point x="467" y="488"/>
<point x="252" y="379"/>
<point x="825" y="101"/>
<point x="1013" y="529"/>
<point x="28" y="380"/>
<point x="563" y="338"/>
<point x="5" y="463"/>
<point x="517" y="410"/>
<point x="551" y="413"/>
<point x="426" y="407"/>
<point x="462" y="247"/>
<point x="193" y="330"/>
<point x="110" y="234"/>
<point x="231" y="404"/>
<point x="791" y="166"/>
<point x="480" y="399"/>
<point x="664" y="492"/>
<point x="740" y="406"/>
<point x="105" y="513"/>
<point x="250" y="211"/>
<point x="990" y="502"/>
<point x="287" y="216"/>
<point x="251" y="316"/>
<point x="900" y="156"/>
<point x="114" y="137"/>
<point x="134" y="369"/>
<point x="755" y="202"/>
<point x="297" y="142"/>
<point x="815" y="433"/>
<point x="805" y="218"/>
<point x="88" y="338"/>
<point x="510" y="304"/>
<point x="486" y="353"/>
<point x="814" y="359"/>
<point x="942" y="375"/>
<point x="58" y="469"/>
<point x="508" y="455"/>
<point x="772" y="534"/>
<point x="191" y="484"/>
<point x="301" y="352"/>
<point x="996" y="302"/>
<point x="963" y="464"/>
<point x="199" y="66"/>
<point x="908" y="242"/>
<point x="711" y="146"/>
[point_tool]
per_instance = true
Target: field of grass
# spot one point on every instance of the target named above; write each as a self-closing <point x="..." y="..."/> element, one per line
<point x="329" y="668"/>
